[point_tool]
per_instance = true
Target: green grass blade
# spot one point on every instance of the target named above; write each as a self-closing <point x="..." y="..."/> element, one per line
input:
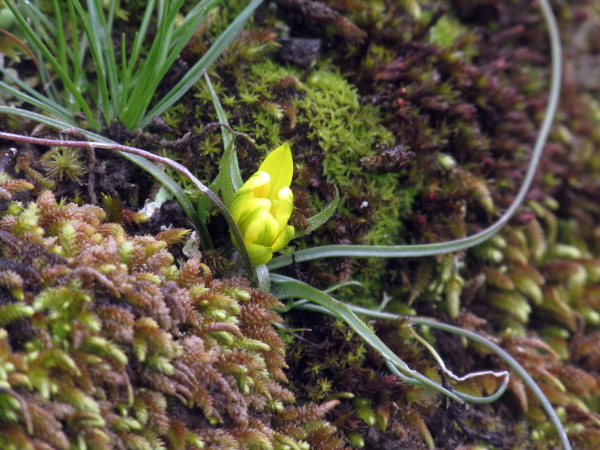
<point x="36" y="15"/>
<point x="30" y="95"/>
<point x="226" y="187"/>
<point x="34" y="102"/>
<point x="321" y="217"/>
<point x="164" y="51"/>
<point x="60" y="37"/>
<point x="46" y="29"/>
<point x="78" y="49"/>
<point x="42" y="104"/>
<point x="233" y="172"/>
<point x="202" y="214"/>
<point x="182" y="34"/>
<point x="137" y="45"/>
<point x="69" y="85"/>
<point x="143" y="79"/>
<point x="284" y="288"/>
<point x="165" y="27"/>
<point x="405" y="251"/>
<point x="111" y="14"/>
<point x="191" y="20"/>
<point x="95" y="33"/>
<point x="124" y="80"/>
<point x="103" y="41"/>
<point x="204" y="63"/>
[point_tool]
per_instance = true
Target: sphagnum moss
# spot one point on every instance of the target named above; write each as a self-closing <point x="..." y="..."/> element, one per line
<point x="105" y="343"/>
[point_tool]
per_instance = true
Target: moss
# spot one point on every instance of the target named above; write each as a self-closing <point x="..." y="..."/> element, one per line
<point x="105" y="343"/>
<point x="376" y="120"/>
<point x="426" y="128"/>
<point x="64" y="163"/>
<point x="446" y="32"/>
<point x="462" y="107"/>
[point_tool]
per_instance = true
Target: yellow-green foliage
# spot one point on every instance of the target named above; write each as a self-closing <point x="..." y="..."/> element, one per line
<point x="104" y="343"/>
<point x="335" y="125"/>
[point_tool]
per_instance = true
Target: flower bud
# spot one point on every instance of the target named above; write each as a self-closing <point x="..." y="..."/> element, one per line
<point x="263" y="205"/>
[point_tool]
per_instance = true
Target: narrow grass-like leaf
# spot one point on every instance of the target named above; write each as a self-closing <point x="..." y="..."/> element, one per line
<point x="321" y="217"/>
<point x="227" y="188"/>
<point x="284" y="288"/>
<point x="229" y="178"/>
<point x="405" y="251"/>
<point x="204" y="63"/>
<point x="40" y="23"/>
<point x="499" y="351"/>
<point x="335" y="287"/>
<point x="95" y="33"/>
<point x="60" y="37"/>
<point x="233" y="171"/>
<point x="62" y="74"/>
<point x="77" y="53"/>
<point x="33" y="97"/>
<point x="47" y="29"/>
<point x="103" y="38"/>
<point x="153" y="68"/>
<point x="132" y="63"/>
<point x="337" y="311"/>
<point x="165" y="49"/>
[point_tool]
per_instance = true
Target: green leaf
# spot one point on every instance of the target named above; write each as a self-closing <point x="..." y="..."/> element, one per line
<point x="320" y="218"/>
<point x="60" y="71"/>
<point x="284" y="287"/>
<point x="195" y="72"/>
<point x="230" y="160"/>
<point x="33" y="98"/>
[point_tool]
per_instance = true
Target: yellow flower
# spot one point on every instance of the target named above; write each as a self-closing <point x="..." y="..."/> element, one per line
<point x="263" y="205"/>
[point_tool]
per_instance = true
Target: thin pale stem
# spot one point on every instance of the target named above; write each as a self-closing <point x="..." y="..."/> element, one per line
<point x="152" y="157"/>
<point x="407" y="251"/>
<point x="506" y="357"/>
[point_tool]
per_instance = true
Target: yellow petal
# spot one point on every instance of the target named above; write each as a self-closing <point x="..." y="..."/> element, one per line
<point x="284" y="238"/>
<point x="263" y="229"/>
<point x="282" y="207"/>
<point x="251" y="210"/>
<point x="280" y="166"/>
<point x="257" y="179"/>
<point x="259" y="183"/>
<point x="238" y="202"/>
<point x="259" y="254"/>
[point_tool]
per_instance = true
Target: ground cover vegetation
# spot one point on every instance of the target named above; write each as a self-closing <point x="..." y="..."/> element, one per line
<point x="422" y="116"/>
